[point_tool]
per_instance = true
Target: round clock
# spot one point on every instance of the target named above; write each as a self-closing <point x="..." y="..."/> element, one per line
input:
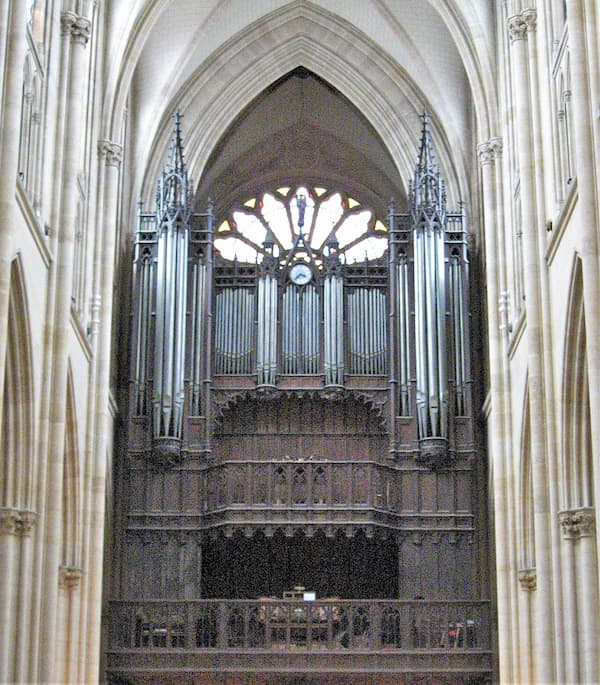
<point x="300" y="273"/>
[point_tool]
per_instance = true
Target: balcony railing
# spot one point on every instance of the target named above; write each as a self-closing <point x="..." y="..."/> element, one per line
<point x="322" y="625"/>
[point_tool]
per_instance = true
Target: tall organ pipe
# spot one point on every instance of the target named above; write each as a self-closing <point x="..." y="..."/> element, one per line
<point x="333" y="322"/>
<point x="430" y="330"/>
<point x="266" y="346"/>
<point x="169" y="349"/>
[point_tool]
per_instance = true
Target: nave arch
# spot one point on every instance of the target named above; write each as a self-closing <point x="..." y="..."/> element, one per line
<point x="577" y="472"/>
<point x="299" y="34"/>
<point x="18" y="440"/>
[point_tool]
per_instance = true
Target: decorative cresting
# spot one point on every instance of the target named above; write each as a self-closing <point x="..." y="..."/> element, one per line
<point x="172" y="249"/>
<point x="429" y="275"/>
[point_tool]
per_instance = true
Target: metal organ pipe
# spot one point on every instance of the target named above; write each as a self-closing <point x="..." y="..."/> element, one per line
<point x="198" y="334"/>
<point x="458" y="329"/>
<point x="170" y="329"/>
<point x="333" y="322"/>
<point x="430" y="329"/>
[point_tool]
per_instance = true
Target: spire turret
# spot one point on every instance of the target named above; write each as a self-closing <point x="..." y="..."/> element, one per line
<point x="174" y="192"/>
<point x="427" y="190"/>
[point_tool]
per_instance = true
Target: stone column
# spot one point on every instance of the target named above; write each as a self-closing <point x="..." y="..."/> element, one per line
<point x="111" y="152"/>
<point x="544" y="620"/>
<point x="539" y="100"/>
<point x="9" y="521"/>
<point x="498" y="447"/>
<point x="584" y="108"/>
<point x="528" y="581"/>
<point x="13" y="38"/>
<point x="77" y="29"/>
<point x="579" y="528"/>
<point x="27" y="520"/>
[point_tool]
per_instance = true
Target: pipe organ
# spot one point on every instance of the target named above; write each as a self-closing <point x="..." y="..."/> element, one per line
<point x="306" y="306"/>
<point x="299" y="408"/>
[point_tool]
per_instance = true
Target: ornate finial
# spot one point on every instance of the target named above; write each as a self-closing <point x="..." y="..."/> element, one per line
<point x="427" y="190"/>
<point x="174" y="194"/>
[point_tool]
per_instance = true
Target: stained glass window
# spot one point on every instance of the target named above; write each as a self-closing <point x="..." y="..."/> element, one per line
<point x="308" y="220"/>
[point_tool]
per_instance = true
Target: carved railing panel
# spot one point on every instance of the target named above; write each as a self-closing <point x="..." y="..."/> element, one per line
<point x="328" y="624"/>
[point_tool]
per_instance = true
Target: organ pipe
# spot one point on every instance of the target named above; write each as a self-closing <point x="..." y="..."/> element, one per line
<point x="428" y="208"/>
<point x="266" y="342"/>
<point x="172" y="215"/>
<point x="458" y="331"/>
<point x="403" y="309"/>
<point x="333" y="322"/>
<point x="198" y="333"/>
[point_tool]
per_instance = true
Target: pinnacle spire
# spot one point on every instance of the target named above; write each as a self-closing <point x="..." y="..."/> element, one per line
<point x="174" y="188"/>
<point x="427" y="189"/>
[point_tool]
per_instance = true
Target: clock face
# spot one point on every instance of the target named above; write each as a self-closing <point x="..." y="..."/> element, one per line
<point x="300" y="274"/>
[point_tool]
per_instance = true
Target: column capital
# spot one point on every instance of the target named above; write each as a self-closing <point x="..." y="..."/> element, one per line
<point x="485" y="152"/>
<point x="517" y="28"/>
<point x="530" y="18"/>
<point x="77" y="26"/>
<point x="496" y="145"/>
<point x="26" y="523"/>
<point x="112" y="153"/>
<point x="69" y="577"/>
<point x="9" y="521"/>
<point x="527" y="579"/>
<point x="577" y="523"/>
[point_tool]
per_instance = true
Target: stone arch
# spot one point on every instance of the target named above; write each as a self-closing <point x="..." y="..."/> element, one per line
<point x="526" y="523"/>
<point x="71" y="499"/>
<point x="577" y="470"/>
<point x="389" y="99"/>
<point x="301" y="34"/>
<point x="17" y="440"/>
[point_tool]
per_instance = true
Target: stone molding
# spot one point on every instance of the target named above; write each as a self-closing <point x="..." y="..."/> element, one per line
<point x="527" y="579"/>
<point x="578" y="523"/>
<point x="77" y="26"/>
<point x="69" y="577"/>
<point x="16" y="521"/>
<point x="112" y="153"/>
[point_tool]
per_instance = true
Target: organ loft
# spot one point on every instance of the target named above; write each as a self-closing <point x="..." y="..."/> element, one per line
<point x="300" y="465"/>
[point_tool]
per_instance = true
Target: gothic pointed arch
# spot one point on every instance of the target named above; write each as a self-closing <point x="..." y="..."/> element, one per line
<point x="526" y="524"/>
<point x="577" y="440"/>
<point x="71" y="496"/>
<point x="17" y="456"/>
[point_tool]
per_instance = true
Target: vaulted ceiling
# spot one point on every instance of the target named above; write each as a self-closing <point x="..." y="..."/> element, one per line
<point x="327" y="90"/>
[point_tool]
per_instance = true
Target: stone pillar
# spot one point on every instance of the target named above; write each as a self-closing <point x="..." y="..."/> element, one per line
<point x="111" y="153"/>
<point x="528" y="581"/>
<point x="544" y="620"/>
<point x="27" y="520"/>
<point x="584" y="108"/>
<point x="579" y="529"/>
<point x="498" y="447"/>
<point x="76" y="29"/>
<point x="9" y="521"/>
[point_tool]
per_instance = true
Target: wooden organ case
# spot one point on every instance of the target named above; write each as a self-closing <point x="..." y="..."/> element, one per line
<point x="298" y="419"/>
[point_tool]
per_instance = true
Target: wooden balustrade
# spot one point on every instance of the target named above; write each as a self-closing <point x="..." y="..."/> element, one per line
<point x="276" y="624"/>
